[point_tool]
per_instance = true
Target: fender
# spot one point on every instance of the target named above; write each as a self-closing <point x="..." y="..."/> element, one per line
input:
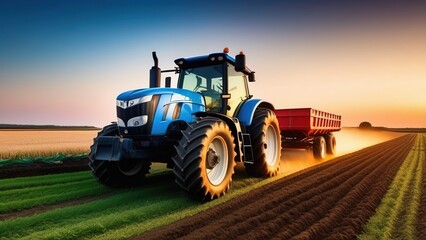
<point x="246" y="112"/>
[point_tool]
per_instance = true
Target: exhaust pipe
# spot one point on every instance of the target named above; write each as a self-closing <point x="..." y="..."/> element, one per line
<point x="155" y="73"/>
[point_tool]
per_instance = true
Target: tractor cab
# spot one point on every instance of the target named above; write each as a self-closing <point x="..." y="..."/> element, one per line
<point x="215" y="76"/>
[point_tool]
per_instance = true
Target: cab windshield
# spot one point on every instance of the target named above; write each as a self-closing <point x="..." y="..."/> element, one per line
<point x="206" y="80"/>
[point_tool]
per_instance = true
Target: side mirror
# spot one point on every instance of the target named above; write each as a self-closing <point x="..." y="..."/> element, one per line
<point x="168" y="82"/>
<point x="240" y="62"/>
<point x="251" y="77"/>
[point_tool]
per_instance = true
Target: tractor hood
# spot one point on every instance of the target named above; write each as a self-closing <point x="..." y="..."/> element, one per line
<point x="134" y="94"/>
<point x="150" y="111"/>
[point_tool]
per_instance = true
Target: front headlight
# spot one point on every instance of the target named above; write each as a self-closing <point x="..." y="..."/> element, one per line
<point x="133" y="102"/>
<point x="137" y="121"/>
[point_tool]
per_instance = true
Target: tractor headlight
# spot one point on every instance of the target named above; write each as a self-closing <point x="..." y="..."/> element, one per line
<point x="133" y="102"/>
<point x="137" y="121"/>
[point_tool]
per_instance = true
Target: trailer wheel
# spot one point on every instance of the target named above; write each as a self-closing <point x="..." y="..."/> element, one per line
<point x="319" y="148"/>
<point x="205" y="159"/>
<point x="266" y="142"/>
<point x="123" y="173"/>
<point x="330" y="142"/>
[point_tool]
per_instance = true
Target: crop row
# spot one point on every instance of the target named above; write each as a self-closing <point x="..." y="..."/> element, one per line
<point x="329" y="201"/>
<point x="396" y="217"/>
<point x="22" y="198"/>
<point x="43" y="180"/>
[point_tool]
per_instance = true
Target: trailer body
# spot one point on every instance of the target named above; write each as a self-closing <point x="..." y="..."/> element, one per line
<point x="300" y="126"/>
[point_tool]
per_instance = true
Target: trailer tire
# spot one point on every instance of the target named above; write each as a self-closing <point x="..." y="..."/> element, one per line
<point x="266" y="143"/>
<point x="205" y="159"/>
<point x="123" y="173"/>
<point x="319" y="148"/>
<point x="330" y="142"/>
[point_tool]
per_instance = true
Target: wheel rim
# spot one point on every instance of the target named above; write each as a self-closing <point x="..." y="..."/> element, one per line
<point x="130" y="167"/>
<point x="271" y="146"/>
<point x="217" y="174"/>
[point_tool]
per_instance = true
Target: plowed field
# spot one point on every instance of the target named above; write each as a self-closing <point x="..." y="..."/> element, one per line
<point x="330" y="201"/>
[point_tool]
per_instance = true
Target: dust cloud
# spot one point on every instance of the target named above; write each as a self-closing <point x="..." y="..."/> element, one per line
<point x="348" y="140"/>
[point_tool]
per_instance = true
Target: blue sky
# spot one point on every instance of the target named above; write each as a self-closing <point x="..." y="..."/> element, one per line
<point x="64" y="62"/>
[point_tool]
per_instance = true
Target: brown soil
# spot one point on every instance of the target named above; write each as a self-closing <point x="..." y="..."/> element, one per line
<point x="329" y="201"/>
<point x="38" y="168"/>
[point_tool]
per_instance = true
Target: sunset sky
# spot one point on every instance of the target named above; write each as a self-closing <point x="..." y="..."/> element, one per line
<point x="64" y="62"/>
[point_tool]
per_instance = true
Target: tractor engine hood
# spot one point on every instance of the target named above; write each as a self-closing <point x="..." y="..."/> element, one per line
<point x="150" y="111"/>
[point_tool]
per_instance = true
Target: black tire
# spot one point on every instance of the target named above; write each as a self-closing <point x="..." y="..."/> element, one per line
<point x="123" y="173"/>
<point x="265" y="131"/>
<point x="199" y="166"/>
<point x="319" y="148"/>
<point x="330" y="143"/>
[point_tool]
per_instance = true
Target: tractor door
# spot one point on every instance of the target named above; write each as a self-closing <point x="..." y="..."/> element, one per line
<point x="207" y="80"/>
<point x="237" y="88"/>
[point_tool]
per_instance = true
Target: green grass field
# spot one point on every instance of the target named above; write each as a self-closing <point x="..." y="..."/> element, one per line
<point x="116" y="214"/>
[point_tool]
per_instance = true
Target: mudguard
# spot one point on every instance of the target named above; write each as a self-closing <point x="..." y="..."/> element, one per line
<point x="246" y="112"/>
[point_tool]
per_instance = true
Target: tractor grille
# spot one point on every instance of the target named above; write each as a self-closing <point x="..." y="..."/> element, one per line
<point x="143" y="111"/>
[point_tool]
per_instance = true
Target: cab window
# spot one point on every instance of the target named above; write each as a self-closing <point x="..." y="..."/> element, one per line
<point x="237" y="87"/>
<point x="206" y="80"/>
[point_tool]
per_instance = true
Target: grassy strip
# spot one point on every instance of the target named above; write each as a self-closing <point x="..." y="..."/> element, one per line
<point x="22" y="193"/>
<point x="51" y="179"/>
<point x="121" y="201"/>
<point x="44" y="180"/>
<point x="58" y="158"/>
<point x="382" y="224"/>
<point x="409" y="226"/>
<point x="114" y="220"/>
<point x="18" y="199"/>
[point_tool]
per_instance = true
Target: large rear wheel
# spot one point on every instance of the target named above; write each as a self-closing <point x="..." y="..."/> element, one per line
<point x="123" y="173"/>
<point x="266" y="141"/>
<point x="205" y="159"/>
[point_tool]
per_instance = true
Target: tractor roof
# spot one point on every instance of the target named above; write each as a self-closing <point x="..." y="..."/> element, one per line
<point x="206" y="60"/>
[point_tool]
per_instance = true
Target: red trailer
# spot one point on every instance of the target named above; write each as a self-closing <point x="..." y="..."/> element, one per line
<point x="308" y="128"/>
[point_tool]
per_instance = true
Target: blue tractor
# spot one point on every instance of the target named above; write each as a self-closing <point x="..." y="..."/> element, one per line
<point x="200" y="129"/>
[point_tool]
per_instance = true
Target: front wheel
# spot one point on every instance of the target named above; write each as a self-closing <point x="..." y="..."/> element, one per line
<point x="123" y="173"/>
<point x="205" y="159"/>
<point x="266" y="142"/>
